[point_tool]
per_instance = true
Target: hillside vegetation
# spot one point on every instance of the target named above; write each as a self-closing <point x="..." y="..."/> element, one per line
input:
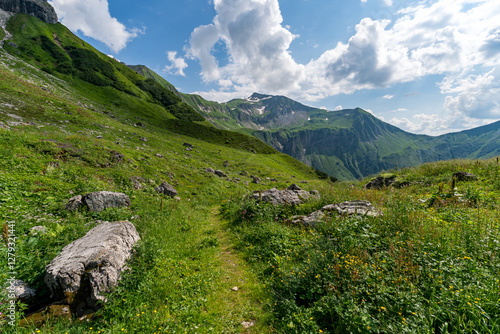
<point x="74" y="121"/>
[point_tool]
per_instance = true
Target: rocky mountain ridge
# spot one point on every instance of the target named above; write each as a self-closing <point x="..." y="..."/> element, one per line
<point x="40" y="9"/>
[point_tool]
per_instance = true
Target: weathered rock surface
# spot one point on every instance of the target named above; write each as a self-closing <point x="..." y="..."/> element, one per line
<point x="40" y="9"/>
<point x="220" y="173"/>
<point x="74" y="203"/>
<point x="100" y="200"/>
<point x="386" y="180"/>
<point x="312" y="220"/>
<point x="464" y="176"/>
<point x="91" y="266"/>
<point x="166" y="189"/>
<point x="23" y="291"/>
<point x="293" y="195"/>
<point x="349" y="208"/>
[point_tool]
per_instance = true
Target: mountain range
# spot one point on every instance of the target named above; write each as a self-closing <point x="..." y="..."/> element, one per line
<point x="345" y="144"/>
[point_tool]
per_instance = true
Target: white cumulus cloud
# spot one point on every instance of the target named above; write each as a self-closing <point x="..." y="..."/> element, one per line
<point x="93" y="19"/>
<point x="459" y="39"/>
<point x="177" y="65"/>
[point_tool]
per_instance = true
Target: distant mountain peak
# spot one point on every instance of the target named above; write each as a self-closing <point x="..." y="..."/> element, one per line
<point x="40" y="9"/>
<point x="257" y="97"/>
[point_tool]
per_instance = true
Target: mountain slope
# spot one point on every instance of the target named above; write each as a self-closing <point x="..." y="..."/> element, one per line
<point x="346" y="144"/>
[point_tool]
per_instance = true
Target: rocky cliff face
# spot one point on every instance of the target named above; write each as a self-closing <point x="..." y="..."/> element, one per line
<point x="37" y="8"/>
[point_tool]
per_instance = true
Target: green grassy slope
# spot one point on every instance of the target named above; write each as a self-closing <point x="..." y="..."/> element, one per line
<point x="61" y="135"/>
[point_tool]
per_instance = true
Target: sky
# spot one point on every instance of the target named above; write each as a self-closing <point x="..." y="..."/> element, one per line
<point x="428" y="67"/>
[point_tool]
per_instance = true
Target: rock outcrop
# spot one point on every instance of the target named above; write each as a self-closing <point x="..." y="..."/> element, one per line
<point x="91" y="266"/>
<point x="464" y="176"/>
<point x="362" y="208"/>
<point x="40" y="9"/>
<point x="386" y="180"/>
<point x="98" y="201"/>
<point x="166" y="189"/>
<point x="293" y="195"/>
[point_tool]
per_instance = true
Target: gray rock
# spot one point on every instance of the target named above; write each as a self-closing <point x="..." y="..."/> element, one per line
<point x="74" y="203"/>
<point x="255" y="179"/>
<point x="100" y="200"/>
<point x="89" y="267"/>
<point x="294" y="187"/>
<point x="37" y="8"/>
<point x="209" y="170"/>
<point x="278" y="197"/>
<point x="188" y="145"/>
<point x="220" y="173"/>
<point x="22" y="291"/>
<point x="166" y="189"/>
<point x="349" y="208"/>
<point x="464" y="176"/>
<point x="313" y="219"/>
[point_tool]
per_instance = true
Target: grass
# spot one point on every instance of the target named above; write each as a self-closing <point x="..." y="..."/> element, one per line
<point x="426" y="266"/>
<point x="183" y="271"/>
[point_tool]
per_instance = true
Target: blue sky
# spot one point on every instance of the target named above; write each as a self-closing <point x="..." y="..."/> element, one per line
<point x="428" y="66"/>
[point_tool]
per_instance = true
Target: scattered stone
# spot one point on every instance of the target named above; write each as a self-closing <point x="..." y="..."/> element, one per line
<point x="247" y="324"/>
<point x="255" y="179"/>
<point x="235" y="288"/>
<point x="23" y="291"/>
<point x="12" y="44"/>
<point x="116" y="157"/>
<point x="139" y="124"/>
<point x="363" y="208"/>
<point x="293" y="195"/>
<point x="226" y="163"/>
<point x="220" y="173"/>
<point x="243" y="173"/>
<point x="135" y="183"/>
<point x="464" y="176"/>
<point x="188" y="145"/>
<point x="386" y="180"/>
<point x="89" y="267"/>
<point x="189" y="149"/>
<point x="100" y="200"/>
<point x="99" y="137"/>
<point x="166" y="189"/>
<point x="49" y="313"/>
<point x="209" y="170"/>
<point x="159" y="155"/>
<point x="312" y="220"/>
<point x="144" y="139"/>
<point x="74" y="203"/>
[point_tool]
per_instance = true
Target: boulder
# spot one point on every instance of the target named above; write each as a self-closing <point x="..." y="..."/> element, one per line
<point x="312" y="220"/>
<point x="100" y="200"/>
<point x="209" y="170"/>
<point x="464" y="176"/>
<point x="74" y="203"/>
<point x="255" y="179"/>
<point x="89" y="267"/>
<point x="166" y="189"/>
<point x="220" y="173"/>
<point x="386" y="180"/>
<point x="349" y="208"/>
<point x="293" y="195"/>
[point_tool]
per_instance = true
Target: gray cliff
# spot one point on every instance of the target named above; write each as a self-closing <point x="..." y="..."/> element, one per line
<point x="38" y="8"/>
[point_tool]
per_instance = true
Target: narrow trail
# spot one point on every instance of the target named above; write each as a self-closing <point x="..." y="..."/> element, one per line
<point x="245" y="304"/>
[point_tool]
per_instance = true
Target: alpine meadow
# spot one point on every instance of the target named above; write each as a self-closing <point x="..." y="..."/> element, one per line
<point x="127" y="206"/>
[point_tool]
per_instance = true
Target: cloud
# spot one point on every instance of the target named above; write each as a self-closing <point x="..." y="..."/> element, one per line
<point x="93" y="19"/>
<point x="432" y="124"/>
<point x="177" y="64"/>
<point x="388" y="97"/>
<point x="339" y="107"/>
<point x="441" y="37"/>
<point x="477" y="96"/>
